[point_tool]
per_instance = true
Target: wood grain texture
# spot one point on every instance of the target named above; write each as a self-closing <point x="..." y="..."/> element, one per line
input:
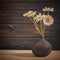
<point x="18" y="32"/>
<point x="23" y="1"/>
<point x="27" y="55"/>
<point x="26" y="43"/>
<point x="13" y="12"/>
<point x="26" y="30"/>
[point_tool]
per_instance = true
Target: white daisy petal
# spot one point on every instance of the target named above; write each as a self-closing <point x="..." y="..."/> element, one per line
<point x="48" y="9"/>
<point x="32" y="14"/>
<point x="52" y="9"/>
<point x="29" y="12"/>
<point x="48" y="20"/>
<point x="38" y="18"/>
<point x="25" y="14"/>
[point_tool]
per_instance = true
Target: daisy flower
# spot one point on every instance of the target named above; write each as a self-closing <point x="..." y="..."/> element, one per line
<point x="48" y="20"/>
<point x="25" y="14"/>
<point x="30" y="14"/>
<point x="38" y="17"/>
<point x="48" y="9"/>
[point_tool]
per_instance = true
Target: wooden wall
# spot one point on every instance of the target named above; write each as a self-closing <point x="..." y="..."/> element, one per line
<point x="18" y="32"/>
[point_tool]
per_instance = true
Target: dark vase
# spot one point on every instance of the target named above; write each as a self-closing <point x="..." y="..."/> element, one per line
<point x="42" y="48"/>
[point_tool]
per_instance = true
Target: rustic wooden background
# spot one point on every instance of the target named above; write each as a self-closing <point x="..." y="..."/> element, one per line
<point x="18" y="32"/>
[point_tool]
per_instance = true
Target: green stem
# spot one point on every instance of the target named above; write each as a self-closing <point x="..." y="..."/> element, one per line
<point x="37" y="28"/>
<point x="43" y="33"/>
<point x="41" y="27"/>
<point x="32" y="20"/>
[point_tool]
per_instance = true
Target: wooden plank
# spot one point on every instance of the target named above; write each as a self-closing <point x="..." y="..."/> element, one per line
<point x="17" y="7"/>
<point x="27" y="55"/>
<point x="25" y="30"/>
<point x="26" y="35"/>
<point x="25" y="1"/>
<point x="25" y="43"/>
<point x="25" y="26"/>
<point x="22" y="1"/>
<point x="18" y="20"/>
<point x="12" y="12"/>
<point x="17" y="41"/>
<point x="10" y="5"/>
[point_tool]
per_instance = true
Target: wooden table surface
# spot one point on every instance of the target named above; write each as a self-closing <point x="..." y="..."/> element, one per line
<point x="27" y="55"/>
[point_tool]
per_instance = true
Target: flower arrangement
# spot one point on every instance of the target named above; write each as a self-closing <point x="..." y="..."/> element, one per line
<point x="40" y="21"/>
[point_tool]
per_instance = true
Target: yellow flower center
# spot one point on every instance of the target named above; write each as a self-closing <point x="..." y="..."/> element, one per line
<point x="47" y="19"/>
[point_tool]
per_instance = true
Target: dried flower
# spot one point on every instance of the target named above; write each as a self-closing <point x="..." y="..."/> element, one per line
<point x="30" y="14"/>
<point x="48" y="20"/>
<point x="25" y="14"/>
<point x="44" y="20"/>
<point x="37" y="18"/>
<point x="48" y="9"/>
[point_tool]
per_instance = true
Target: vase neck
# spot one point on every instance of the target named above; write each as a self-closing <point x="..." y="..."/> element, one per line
<point x="43" y="38"/>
